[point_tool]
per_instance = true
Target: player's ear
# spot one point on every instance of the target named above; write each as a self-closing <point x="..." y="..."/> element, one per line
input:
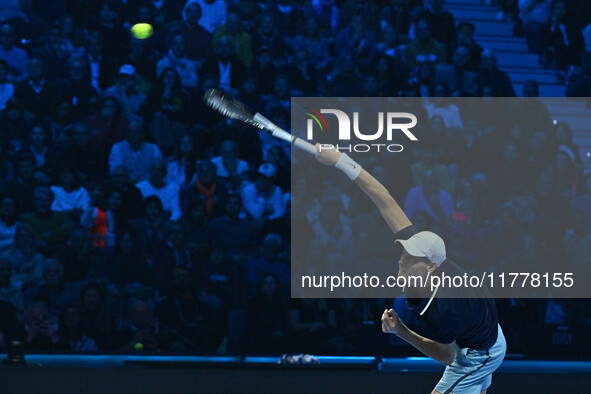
<point x="432" y="266"/>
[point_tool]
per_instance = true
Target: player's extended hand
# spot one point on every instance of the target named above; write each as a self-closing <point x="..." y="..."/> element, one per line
<point x="390" y="322"/>
<point x="327" y="156"/>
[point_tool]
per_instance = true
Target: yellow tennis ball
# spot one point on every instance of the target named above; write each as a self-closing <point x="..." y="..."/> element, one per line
<point x="141" y="31"/>
<point x="139" y="346"/>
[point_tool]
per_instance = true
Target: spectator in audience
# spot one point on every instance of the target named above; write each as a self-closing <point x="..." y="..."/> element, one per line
<point x="127" y="91"/>
<point x="424" y="48"/>
<point x="356" y="41"/>
<point x="174" y="253"/>
<point x="460" y="81"/>
<point x="269" y="261"/>
<point x="54" y="291"/>
<point x="565" y="43"/>
<point x="69" y="196"/>
<point x="489" y="74"/>
<point x="27" y="264"/>
<point x="71" y="337"/>
<point x="37" y="91"/>
<point x="53" y="55"/>
<point x="582" y="204"/>
<point x="230" y="169"/>
<point x="9" y="292"/>
<point x="535" y="15"/>
<point x="195" y="223"/>
<point x="577" y="242"/>
<point x="50" y="228"/>
<point x="108" y="126"/>
<point x="429" y="164"/>
<point x="265" y="71"/>
<point x="85" y="97"/>
<point x="213" y="15"/>
<point x="72" y="38"/>
<point x="510" y="175"/>
<point x="206" y="186"/>
<point x="94" y="316"/>
<point x="227" y="68"/>
<point x="143" y="330"/>
<point x="390" y="73"/>
<point x="79" y="260"/>
<point x="504" y="231"/>
<point x="86" y="158"/>
<point x="199" y="40"/>
<point x="6" y="88"/>
<point x="8" y="222"/>
<point x="311" y="323"/>
<point x="262" y="200"/>
<point x="224" y="280"/>
<point x="302" y="73"/>
<point x="231" y="233"/>
<point x="442" y="22"/>
<point x="167" y="107"/>
<point x="40" y="149"/>
<point x="131" y="205"/>
<point x="563" y="137"/>
<point x="554" y="214"/>
<point x="177" y="59"/>
<point x="30" y="23"/>
<point x="15" y="126"/>
<point x="143" y="61"/>
<point x="181" y="170"/>
<point x="579" y="81"/>
<point x="41" y="332"/>
<point x="186" y="318"/>
<point x="346" y="80"/>
<point x="466" y="39"/>
<point x="429" y="198"/>
<point x="153" y="227"/>
<point x="438" y="104"/>
<point x="111" y="29"/>
<point x="103" y="69"/>
<point x="314" y="43"/>
<point x="134" y="153"/>
<point x="568" y="179"/>
<point x="268" y="39"/>
<point x="129" y="263"/>
<point x="157" y="186"/>
<point x="266" y="326"/>
<point x="330" y="229"/>
<point x="240" y="39"/>
<point x="22" y="185"/>
<point x="15" y="57"/>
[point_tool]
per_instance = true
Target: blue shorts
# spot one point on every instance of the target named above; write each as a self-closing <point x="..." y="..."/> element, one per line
<point x="471" y="371"/>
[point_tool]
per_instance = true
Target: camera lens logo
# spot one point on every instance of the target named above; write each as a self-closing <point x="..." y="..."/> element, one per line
<point x="316" y="116"/>
<point x="388" y="124"/>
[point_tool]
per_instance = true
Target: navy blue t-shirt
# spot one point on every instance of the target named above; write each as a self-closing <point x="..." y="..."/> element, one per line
<point x="469" y="318"/>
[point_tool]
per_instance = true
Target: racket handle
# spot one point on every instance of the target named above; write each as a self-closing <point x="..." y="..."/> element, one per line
<point x="278" y="132"/>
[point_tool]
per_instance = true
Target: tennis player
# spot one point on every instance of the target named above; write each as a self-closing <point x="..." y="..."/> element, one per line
<point x="457" y="327"/>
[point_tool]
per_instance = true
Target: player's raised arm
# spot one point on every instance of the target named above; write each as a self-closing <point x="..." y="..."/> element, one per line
<point x="389" y="208"/>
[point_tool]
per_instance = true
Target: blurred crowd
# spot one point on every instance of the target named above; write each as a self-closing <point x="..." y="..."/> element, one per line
<point x="135" y="219"/>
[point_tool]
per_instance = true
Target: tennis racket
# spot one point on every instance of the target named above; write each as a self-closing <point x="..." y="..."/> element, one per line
<point x="235" y="109"/>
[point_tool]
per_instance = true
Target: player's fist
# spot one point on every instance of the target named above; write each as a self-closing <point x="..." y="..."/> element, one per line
<point x="390" y="322"/>
<point x="327" y="154"/>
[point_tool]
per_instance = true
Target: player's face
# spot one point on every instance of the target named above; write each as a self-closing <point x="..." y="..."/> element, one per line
<point x="411" y="266"/>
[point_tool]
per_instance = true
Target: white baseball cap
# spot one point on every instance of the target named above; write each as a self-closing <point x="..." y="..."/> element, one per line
<point x="127" y="69"/>
<point x="267" y="169"/>
<point x="425" y="244"/>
